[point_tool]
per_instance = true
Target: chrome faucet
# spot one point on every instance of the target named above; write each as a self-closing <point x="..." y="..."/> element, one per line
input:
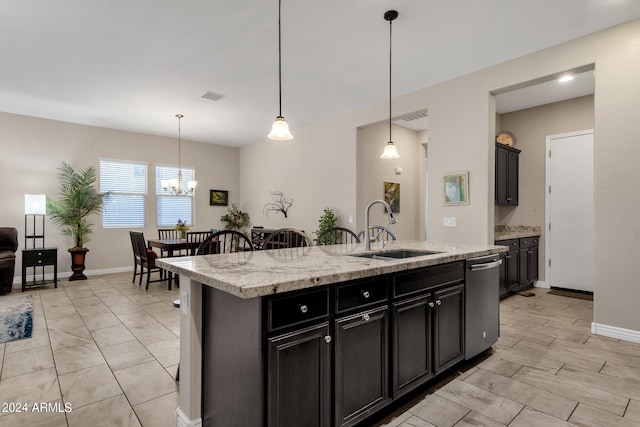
<point x="367" y="236"/>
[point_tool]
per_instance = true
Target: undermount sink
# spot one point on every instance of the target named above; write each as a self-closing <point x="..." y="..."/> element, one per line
<point x="396" y="254"/>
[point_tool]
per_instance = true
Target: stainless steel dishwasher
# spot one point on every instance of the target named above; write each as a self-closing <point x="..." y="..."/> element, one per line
<point x="482" y="304"/>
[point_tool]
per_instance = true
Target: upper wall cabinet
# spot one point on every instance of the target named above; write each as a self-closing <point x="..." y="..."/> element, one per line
<point x="506" y="175"/>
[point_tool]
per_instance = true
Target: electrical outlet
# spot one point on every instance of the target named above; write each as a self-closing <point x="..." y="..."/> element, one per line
<point x="184" y="302"/>
<point x="350" y="219"/>
<point x="449" y="221"/>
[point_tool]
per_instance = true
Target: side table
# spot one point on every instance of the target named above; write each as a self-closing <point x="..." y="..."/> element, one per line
<point x="39" y="257"/>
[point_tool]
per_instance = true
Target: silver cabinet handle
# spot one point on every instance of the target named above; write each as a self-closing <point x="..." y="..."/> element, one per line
<point x="431" y="304"/>
<point x="438" y="302"/>
<point x="303" y="308"/>
<point x="485" y="266"/>
<point x="327" y="339"/>
<point x="366" y="294"/>
<point x="365" y="317"/>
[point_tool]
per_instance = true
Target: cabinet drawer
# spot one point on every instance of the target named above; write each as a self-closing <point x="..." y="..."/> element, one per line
<point x="416" y="281"/>
<point x="361" y="293"/>
<point x="511" y="243"/>
<point x="297" y="308"/>
<point x="528" y="242"/>
<point x="39" y="256"/>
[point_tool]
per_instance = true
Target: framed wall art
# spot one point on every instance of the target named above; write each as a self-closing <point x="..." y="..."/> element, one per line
<point x="455" y="188"/>
<point x="392" y="195"/>
<point x="218" y="198"/>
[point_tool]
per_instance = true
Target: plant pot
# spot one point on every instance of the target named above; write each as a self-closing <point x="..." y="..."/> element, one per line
<point x="77" y="263"/>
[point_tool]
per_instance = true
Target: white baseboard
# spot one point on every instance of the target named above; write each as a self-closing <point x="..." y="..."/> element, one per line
<point x="615" y="332"/>
<point x="541" y="284"/>
<point x="17" y="280"/>
<point x="183" y="421"/>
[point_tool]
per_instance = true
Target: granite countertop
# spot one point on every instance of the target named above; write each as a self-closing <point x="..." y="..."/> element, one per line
<point x="505" y="232"/>
<point x="260" y="273"/>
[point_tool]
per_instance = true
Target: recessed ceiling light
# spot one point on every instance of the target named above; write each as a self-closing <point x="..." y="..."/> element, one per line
<point x="565" y="78"/>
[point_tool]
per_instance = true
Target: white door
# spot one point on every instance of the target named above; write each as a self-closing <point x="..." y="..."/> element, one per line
<point x="570" y="188"/>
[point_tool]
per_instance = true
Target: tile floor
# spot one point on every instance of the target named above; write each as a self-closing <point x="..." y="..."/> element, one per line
<point x="110" y="350"/>
<point x="546" y="370"/>
<point x="104" y="346"/>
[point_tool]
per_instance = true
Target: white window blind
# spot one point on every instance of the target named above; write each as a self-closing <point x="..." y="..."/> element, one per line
<point x="171" y="208"/>
<point x="127" y="183"/>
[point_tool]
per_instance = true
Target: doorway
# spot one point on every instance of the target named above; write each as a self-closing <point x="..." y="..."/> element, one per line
<point x="569" y="213"/>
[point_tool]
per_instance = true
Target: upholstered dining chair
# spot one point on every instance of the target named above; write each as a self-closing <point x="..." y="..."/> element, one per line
<point x="8" y="248"/>
<point x="287" y="238"/>
<point x="146" y="259"/>
<point x="337" y="236"/>
<point x="223" y="242"/>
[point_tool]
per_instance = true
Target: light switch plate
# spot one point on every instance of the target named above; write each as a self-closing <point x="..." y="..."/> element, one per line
<point x="449" y="221"/>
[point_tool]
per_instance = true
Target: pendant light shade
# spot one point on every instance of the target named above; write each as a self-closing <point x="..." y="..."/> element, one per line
<point x="390" y="150"/>
<point x="280" y="129"/>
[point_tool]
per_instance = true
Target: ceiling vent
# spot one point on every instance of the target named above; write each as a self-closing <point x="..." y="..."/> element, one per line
<point x="212" y="96"/>
<point x="414" y="117"/>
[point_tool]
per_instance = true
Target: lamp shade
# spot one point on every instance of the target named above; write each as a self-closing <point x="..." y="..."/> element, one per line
<point x="390" y="151"/>
<point x="280" y="130"/>
<point x="35" y="204"/>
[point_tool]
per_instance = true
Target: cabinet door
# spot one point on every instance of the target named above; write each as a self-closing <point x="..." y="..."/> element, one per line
<point x="512" y="265"/>
<point x="448" y="327"/>
<point x="412" y="344"/>
<point x="523" y="263"/>
<point x="532" y="263"/>
<point x="501" y="176"/>
<point x="299" y="378"/>
<point x="512" y="178"/>
<point x="361" y="360"/>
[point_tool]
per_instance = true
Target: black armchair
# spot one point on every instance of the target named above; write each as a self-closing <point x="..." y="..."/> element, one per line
<point x="8" y="248"/>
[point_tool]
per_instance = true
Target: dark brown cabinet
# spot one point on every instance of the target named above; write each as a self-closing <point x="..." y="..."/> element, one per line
<point x="448" y="327"/>
<point x="39" y="257"/>
<point x="428" y="333"/>
<point x="361" y="361"/>
<point x="507" y="168"/>
<point x="300" y="378"/>
<point x="519" y="269"/>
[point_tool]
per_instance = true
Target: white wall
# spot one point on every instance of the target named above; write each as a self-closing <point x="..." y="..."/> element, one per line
<point x="33" y="148"/>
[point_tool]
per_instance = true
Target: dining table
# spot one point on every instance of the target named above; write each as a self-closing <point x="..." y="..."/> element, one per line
<point x="172" y="245"/>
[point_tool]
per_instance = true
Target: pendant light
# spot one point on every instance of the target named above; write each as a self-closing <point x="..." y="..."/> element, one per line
<point x="390" y="150"/>
<point x="176" y="184"/>
<point x="280" y="128"/>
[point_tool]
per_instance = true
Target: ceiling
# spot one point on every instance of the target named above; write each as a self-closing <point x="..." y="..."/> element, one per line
<point x="132" y="65"/>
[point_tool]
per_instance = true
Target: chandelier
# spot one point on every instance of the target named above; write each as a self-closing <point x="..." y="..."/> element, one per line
<point x="176" y="184"/>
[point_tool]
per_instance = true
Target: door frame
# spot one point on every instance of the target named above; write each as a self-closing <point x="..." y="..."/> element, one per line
<point x="547" y="208"/>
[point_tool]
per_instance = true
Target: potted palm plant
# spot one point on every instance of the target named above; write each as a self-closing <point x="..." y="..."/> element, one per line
<point x="79" y="200"/>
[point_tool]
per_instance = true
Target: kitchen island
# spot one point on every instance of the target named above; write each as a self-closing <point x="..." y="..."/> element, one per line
<point x="316" y="336"/>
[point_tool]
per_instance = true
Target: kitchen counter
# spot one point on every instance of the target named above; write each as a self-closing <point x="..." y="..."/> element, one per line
<point x="505" y="232"/>
<point x="260" y="273"/>
<point x="237" y="320"/>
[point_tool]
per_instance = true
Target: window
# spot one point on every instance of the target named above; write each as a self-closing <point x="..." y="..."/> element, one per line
<point x="172" y="207"/>
<point x="127" y="183"/>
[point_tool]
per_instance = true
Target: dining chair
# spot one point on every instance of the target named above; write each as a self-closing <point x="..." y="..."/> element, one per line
<point x="378" y="233"/>
<point x="223" y="242"/>
<point x="337" y="236"/>
<point x="170" y="233"/>
<point x="287" y="238"/>
<point x="146" y="259"/>
<point x="195" y="239"/>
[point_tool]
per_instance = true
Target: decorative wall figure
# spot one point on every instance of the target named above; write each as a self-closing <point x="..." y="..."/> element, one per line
<point x="279" y="204"/>
<point x="392" y="195"/>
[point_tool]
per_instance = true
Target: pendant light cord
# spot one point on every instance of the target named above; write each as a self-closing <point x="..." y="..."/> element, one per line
<point x="390" y="44"/>
<point x="280" y="57"/>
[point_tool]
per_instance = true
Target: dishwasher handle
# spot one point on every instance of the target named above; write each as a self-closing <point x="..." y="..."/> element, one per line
<point x="485" y="266"/>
